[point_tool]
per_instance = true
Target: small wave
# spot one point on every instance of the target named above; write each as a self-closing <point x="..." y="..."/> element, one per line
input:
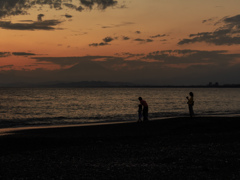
<point x="60" y="120"/>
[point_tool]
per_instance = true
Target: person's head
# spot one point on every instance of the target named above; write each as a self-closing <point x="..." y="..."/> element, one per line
<point x="191" y="94"/>
<point x="140" y="98"/>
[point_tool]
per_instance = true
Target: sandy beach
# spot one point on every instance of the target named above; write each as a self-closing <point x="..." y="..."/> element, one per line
<point x="178" y="148"/>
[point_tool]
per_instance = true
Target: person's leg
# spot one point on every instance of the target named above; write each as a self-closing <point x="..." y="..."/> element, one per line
<point x="139" y="117"/>
<point x="190" y="110"/>
<point x="145" y="114"/>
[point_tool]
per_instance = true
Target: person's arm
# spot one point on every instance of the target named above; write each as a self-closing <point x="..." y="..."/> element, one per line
<point x="190" y="100"/>
<point x="187" y="99"/>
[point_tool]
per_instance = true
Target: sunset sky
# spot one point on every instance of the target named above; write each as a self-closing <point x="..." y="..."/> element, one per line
<point x="157" y="42"/>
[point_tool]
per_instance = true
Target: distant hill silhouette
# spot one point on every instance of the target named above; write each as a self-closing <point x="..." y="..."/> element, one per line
<point x="71" y="84"/>
<point x="94" y="84"/>
<point x="111" y="84"/>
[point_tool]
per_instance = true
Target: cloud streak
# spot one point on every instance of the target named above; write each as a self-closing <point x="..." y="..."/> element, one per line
<point x="158" y="35"/>
<point x="119" y="25"/>
<point x="105" y="42"/>
<point x="6" y="66"/>
<point x="39" y="25"/>
<point x="125" y="38"/>
<point x="6" y="54"/>
<point x="108" y="39"/>
<point x="143" y="40"/>
<point x="166" y="57"/>
<point x="22" y="54"/>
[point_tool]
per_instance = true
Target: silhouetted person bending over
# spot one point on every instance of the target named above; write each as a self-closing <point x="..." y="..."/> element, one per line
<point x="145" y="109"/>
<point x="190" y="104"/>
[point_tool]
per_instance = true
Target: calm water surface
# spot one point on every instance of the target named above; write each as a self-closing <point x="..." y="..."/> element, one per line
<point x="55" y="106"/>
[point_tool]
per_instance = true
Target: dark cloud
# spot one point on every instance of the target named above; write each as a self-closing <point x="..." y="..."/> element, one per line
<point x="130" y="55"/>
<point x="149" y="40"/>
<point x="159" y="68"/>
<point x="228" y="34"/>
<point x="166" y="57"/>
<point x="139" y="39"/>
<point x="4" y="54"/>
<point x="6" y="66"/>
<point x="143" y="40"/>
<point x="21" y="7"/>
<point x="126" y="38"/>
<point x="94" y="44"/>
<point x="119" y="25"/>
<point x="88" y="3"/>
<point x="68" y="16"/>
<point x="200" y="34"/>
<point x="234" y="19"/>
<point x="66" y="61"/>
<point x="201" y="67"/>
<point x="39" y="25"/>
<point x="22" y="54"/>
<point x="106" y="27"/>
<point x="71" y="6"/>
<point x="105" y="42"/>
<point x="156" y="61"/>
<point x="13" y="7"/>
<point x="208" y="20"/>
<point x="159" y="35"/>
<point x="193" y="57"/>
<point x="99" y="44"/>
<point x="80" y="8"/>
<point x="127" y="71"/>
<point x="108" y="39"/>
<point x="101" y="4"/>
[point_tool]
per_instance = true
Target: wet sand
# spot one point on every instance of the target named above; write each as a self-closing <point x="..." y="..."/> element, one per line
<point x="178" y="148"/>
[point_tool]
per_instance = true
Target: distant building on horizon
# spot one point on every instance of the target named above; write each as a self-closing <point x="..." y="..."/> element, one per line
<point x="210" y="84"/>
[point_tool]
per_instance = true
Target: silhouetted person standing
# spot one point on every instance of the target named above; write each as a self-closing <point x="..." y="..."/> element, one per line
<point x="145" y="109"/>
<point x="190" y="104"/>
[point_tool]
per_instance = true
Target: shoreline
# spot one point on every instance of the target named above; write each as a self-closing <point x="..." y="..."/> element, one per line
<point x="8" y="130"/>
<point x="4" y="131"/>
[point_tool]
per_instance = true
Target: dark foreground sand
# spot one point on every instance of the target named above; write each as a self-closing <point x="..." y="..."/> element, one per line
<point x="179" y="148"/>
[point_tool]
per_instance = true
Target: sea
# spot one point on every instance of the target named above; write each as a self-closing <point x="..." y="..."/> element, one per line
<point x="30" y="107"/>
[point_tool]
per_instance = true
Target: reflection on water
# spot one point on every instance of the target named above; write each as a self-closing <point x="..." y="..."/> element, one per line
<point x="47" y="106"/>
